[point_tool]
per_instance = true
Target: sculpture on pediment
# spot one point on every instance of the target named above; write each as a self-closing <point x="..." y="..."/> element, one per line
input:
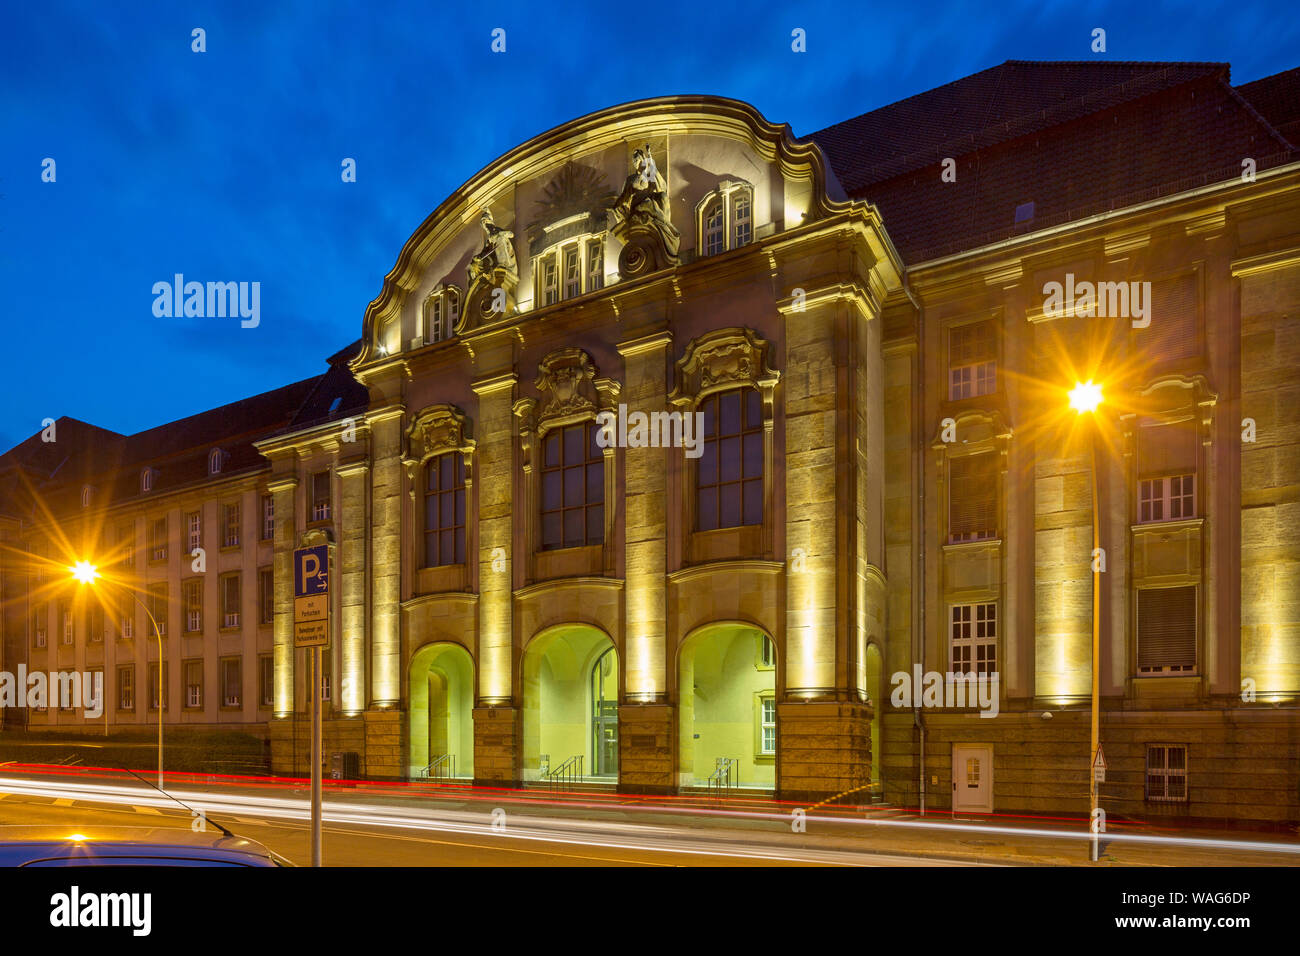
<point x="493" y="276"/>
<point x="640" y="216"/>
<point x="498" y="250"/>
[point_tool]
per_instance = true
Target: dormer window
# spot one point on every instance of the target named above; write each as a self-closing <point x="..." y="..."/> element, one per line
<point x="726" y="218"/>
<point x="146" y="480"/>
<point x="87" y="493"/>
<point x="215" y="458"/>
<point x="441" y="313"/>
<point x="570" y="269"/>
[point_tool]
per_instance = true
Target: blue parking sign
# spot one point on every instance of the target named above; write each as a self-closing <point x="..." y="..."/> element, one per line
<point x="311" y="571"/>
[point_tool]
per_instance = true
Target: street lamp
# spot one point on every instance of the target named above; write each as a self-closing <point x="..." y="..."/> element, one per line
<point x="1084" y="399"/>
<point x="86" y="573"/>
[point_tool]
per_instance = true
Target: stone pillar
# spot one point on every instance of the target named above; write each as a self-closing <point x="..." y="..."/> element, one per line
<point x="646" y="735"/>
<point x="386" y="557"/>
<point x="497" y="743"/>
<point x="283" y="491"/>
<point x="351" y="571"/>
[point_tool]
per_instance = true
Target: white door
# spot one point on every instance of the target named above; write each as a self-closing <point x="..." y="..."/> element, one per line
<point x="972" y="779"/>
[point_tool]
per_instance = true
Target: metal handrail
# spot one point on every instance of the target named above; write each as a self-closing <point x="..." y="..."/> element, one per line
<point x="725" y="777"/>
<point x="442" y="766"/>
<point x="568" y="773"/>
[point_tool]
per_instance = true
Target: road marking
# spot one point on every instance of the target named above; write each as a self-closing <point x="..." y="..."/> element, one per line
<point x="62" y="802"/>
<point x="153" y="810"/>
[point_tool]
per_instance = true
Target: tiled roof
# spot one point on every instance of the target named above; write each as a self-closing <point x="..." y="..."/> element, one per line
<point x="1074" y="139"/>
<point x="1277" y="98"/>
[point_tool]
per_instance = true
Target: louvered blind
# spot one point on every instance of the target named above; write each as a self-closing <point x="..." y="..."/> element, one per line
<point x="972" y="496"/>
<point x="970" y="344"/>
<point x="1167" y="627"/>
<point x="1173" y="314"/>
<point x="1167" y="449"/>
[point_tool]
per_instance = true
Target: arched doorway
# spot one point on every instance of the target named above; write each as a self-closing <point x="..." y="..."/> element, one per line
<point x="727" y="693"/>
<point x="570" y="687"/>
<point x="441" y="712"/>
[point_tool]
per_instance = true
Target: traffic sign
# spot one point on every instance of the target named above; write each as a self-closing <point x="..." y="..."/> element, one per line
<point x="311" y="596"/>
<point x="1099" y="767"/>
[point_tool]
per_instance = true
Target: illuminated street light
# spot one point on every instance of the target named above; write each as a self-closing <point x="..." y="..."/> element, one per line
<point x="85" y="573"/>
<point x="1084" y="399"/>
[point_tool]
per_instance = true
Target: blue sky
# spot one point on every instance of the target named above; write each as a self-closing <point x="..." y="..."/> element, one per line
<point x="225" y="165"/>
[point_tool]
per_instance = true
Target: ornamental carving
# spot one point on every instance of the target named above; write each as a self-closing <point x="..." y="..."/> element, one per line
<point x="438" y="429"/>
<point x="566" y="379"/>
<point x="640" y="216"/>
<point x="725" y="359"/>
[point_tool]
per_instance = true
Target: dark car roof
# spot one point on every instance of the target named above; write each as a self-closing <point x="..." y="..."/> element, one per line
<point x="161" y="846"/>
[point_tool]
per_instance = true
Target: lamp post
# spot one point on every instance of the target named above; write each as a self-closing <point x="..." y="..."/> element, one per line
<point x="1084" y="399"/>
<point x="87" y="573"/>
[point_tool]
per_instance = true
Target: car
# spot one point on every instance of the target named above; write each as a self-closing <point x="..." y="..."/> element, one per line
<point x="129" y="846"/>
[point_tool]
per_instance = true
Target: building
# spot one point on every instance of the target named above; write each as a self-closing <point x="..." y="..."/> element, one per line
<point x="677" y="449"/>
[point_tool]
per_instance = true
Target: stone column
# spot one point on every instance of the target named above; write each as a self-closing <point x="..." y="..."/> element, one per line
<point x="385" y="755"/>
<point x="353" y="535"/>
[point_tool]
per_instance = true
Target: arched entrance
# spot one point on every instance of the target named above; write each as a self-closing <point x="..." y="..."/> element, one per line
<point x="727" y="693"/>
<point x="571" y="702"/>
<point x="442" y="712"/>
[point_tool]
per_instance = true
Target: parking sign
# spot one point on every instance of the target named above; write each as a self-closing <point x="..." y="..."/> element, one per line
<point x="311" y="595"/>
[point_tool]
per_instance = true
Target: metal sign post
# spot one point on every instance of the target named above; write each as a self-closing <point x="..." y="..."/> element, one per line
<point x="311" y="630"/>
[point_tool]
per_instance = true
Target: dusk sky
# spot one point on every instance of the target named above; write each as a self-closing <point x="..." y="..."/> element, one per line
<point x="225" y="165"/>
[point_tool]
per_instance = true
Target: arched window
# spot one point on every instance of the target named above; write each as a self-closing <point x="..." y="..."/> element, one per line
<point x="444" y="510"/>
<point x="86" y="492"/>
<point x="214" y="461"/>
<point x="569" y="269"/>
<point x="726" y="218"/>
<point x="146" y="480"/>
<point x="729" y="475"/>
<point x="573" y="487"/>
<point x="441" y="313"/>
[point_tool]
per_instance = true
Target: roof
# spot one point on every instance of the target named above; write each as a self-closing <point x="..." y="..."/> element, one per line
<point x="1072" y="138"/>
<point x="1277" y="98"/>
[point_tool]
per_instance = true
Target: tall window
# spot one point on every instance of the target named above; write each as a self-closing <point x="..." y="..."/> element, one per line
<point x="595" y="265"/>
<point x="974" y="638"/>
<point x="972" y="361"/>
<point x="767" y="727"/>
<point x="972" y="497"/>
<point x="742" y="219"/>
<point x="550" y="291"/>
<point x="266" y="679"/>
<point x="146" y="480"/>
<point x="715" y="235"/>
<point x="158" y="605"/>
<point x="95" y="624"/>
<point x="193" y="598"/>
<point x="230" y="597"/>
<point x="126" y="544"/>
<point x="265" y="595"/>
<point x="215" y="458"/>
<point x="126" y="687"/>
<point x="232" y="682"/>
<point x="444" y="510"/>
<point x="573" y="487"/>
<point x="1166" y="472"/>
<point x="158" y="539"/>
<point x="126" y="619"/>
<point x="441" y="312"/>
<point x="86" y="492"/>
<point x="726" y="218"/>
<point x="320" y="496"/>
<point x="153" y="685"/>
<point x="39" y="623"/>
<point x="193" y="684"/>
<point x="570" y="270"/>
<point x="729" y="472"/>
<point x="193" y="531"/>
<point x="230" y="525"/>
<point x="1167" y="773"/>
<point x="1166" y="626"/>
<point x="268" y="517"/>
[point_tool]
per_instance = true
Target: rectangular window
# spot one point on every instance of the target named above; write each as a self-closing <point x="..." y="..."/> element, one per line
<point x="742" y="220"/>
<point x="573" y="487"/>
<point x="768" y="725"/>
<point x="126" y="619"/>
<point x="972" y="497"/>
<point x="550" y="281"/>
<point x="193" y="531"/>
<point x="230" y="525"/>
<point x="266" y="596"/>
<point x="435" y="331"/>
<point x="595" y="265"/>
<point x="268" y="517"/>
<point x="158" y="539"/>
<point x="1166" y="626"/>
<point x="158" y="606"/>
<point x="193" y="684"/>
<point x="192" y="597"/>
<point x="320" y="496"/>
<point x="67" y="626"/>
<point x="230" y="598"/>
<point x="972" y="361"/>
<point x="572" y="273"/>
<point x="444" y="510"/>
<point x="974" y="638"/>
<point x="126" y="544"/>
<point x="714" y="233"/>
<point x="95" y="626"/>
<point x="126" y="687"/>
<point x="729" y="471"/>
<point x="153" y="686"/>
<point x="232" y="682"/>
<point x="1166" y="471"/>
<point x="266" y="681"/>
<point x="1167" y="773"/>
<point x="325" y="678"/>
<point x="40" y="621"/>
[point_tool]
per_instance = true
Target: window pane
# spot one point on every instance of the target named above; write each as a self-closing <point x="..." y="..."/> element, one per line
<point x="460" y="546"/>
<point x="595" y="483"/>
<point x="754" y="455"/>
<point x="447" y="547"/>
<point x="573" y="528"/>
<point x="445" y="465"/>
<point x="729" y="459"/>
<point x="730" y="506"/>
<point x="730" y="412"/>
<point x="753" y="409"/>
<point x="552" y="449"/>
<point x="460" y="507"/>
<point x="446" y="506"/>
<point x="551" y="530"/>
<point x="573" y="486"/>
<point x="551" y="491"/>
<point x="708" y="509"/>
<point x="709" y="408"/>
<point x="573" y="442"/>
<point x="708" y="464"/>
<point x="595" y="524"/>
<point x="754" y="502"/>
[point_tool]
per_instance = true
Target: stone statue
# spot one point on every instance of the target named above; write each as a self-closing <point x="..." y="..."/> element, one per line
<point x="640" y="216"/>
<point x="498" y="250"/>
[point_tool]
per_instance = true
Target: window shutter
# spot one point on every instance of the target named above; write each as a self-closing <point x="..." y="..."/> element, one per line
<point x="972" y="495"/>
<point x="1167" y="449"/>
<point x="1167" y="627"/>
<point x="1173" y="314"/>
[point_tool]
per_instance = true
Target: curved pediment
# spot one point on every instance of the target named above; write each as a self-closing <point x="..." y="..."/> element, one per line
<point x="611" y="196"/>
